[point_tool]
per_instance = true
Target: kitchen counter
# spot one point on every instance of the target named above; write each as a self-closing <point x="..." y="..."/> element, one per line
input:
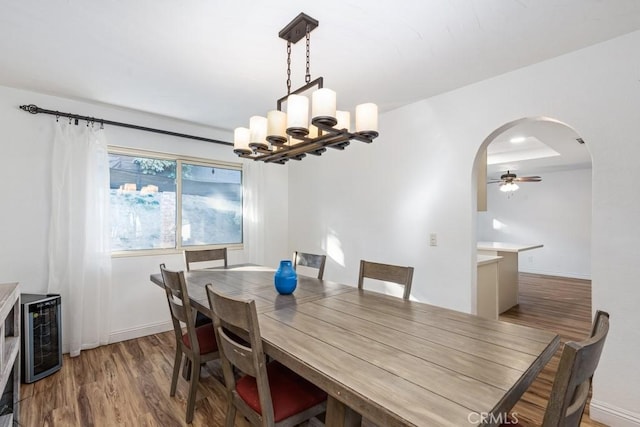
<point x="507" y="269"/>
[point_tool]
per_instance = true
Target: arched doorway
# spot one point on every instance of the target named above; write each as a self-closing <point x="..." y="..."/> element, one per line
<point x="553" y="211"/>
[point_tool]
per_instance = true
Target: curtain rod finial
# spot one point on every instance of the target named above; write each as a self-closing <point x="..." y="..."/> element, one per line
<point x="31" y="108"/>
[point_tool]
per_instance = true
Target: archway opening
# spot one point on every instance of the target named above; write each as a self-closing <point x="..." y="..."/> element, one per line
<point x="543" y="225"/>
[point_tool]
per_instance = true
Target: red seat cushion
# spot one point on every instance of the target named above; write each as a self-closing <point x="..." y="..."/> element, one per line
<point x="290" y="393"/>
<point x="206" y="339"/>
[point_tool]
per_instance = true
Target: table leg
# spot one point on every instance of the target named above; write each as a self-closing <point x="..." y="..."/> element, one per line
<point x="340" y="415"/>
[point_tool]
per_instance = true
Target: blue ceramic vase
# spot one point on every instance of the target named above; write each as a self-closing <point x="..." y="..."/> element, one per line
<point x="285" y="278"/>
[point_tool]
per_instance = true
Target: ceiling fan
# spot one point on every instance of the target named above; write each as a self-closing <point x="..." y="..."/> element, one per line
<point x="508" y="181"/>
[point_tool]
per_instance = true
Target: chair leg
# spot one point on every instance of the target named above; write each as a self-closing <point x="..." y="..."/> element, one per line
<point x="193" y="388"/>
<point x="176" y="371"/>
<point x="230" y="420"/>
<point x="186" y="369"/>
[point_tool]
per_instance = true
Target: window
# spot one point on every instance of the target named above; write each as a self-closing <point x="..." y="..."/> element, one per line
<point x="151" y="193"/>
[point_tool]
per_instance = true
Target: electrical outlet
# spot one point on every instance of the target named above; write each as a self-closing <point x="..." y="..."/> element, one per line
<point x="433" y="239"/>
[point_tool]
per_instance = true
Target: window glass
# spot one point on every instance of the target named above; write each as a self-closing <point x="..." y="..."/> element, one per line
<point x="211" y="205"/>
<point x="147" y="194"/>
<point x="143" y="203"/>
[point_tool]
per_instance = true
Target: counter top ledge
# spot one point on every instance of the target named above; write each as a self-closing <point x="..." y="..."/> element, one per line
<point x="488" y="259"/>
<point x="507" y="247"/>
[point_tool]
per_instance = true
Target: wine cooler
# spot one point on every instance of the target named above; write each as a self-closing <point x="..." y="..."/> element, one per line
<point x="41" y="336"/>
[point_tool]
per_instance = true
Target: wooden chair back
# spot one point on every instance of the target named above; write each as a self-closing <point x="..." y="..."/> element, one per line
<point x="175" y="288"/>
<point x="310" y="260"/>
<point x="204" y="255"/>
<point x="387" y="273"/>
<point x="572" y="383"/>
<point x="241" y="317"/>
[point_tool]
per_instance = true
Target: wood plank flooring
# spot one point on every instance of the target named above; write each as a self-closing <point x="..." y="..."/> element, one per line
<point x="127" y="383"/>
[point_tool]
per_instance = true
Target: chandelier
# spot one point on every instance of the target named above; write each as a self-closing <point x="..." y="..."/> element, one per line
<point x="294" y="133"/>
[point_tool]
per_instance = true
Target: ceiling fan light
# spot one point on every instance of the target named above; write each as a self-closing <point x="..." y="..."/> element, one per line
<point x="509" y="186"/>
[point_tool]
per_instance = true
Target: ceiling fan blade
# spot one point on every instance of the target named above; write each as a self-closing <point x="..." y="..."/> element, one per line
<point x="529" y="179"/>
<point x="494" y="181"/>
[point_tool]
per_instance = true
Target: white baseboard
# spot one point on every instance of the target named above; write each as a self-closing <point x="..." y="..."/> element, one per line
<point x="613" y="416"/>
<point x="141" y="331"/>
<point x="555" y="273"/>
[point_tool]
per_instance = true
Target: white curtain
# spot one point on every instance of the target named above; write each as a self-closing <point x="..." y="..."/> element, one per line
<point x="254" y="177"/>
<point x="79" y="252"/>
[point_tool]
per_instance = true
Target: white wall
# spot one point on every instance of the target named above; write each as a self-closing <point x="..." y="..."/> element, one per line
<point x="381" y="201"/>
<point x="555" y="212"/>
<point x="138" y="307"/>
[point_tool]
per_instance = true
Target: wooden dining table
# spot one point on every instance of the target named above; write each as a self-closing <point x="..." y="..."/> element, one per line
<point x="396" y="362"/>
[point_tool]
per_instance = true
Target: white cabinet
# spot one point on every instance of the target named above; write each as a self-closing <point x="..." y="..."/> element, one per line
<point x="487" y="291"/>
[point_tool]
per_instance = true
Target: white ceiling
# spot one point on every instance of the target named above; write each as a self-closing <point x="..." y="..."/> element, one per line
<point x="548" y="146"/>
<point x="218" y="62"/>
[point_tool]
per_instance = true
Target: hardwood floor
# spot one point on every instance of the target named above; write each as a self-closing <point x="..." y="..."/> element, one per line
<point x="123" y="384"/>
<point x="127" y="383"/>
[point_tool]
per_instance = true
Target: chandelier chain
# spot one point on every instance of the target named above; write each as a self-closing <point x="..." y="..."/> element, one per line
<point x="307" y="77"/>
<point x="288" y="67"/>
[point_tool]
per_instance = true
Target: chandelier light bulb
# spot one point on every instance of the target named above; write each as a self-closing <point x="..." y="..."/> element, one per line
<point x="323" y="107"/>
<point x="344" y="120"/>
<point x="241" y="141"/>
<point x="258" y="132"/>
<point x="367" y="119"/>
<point x="314" y="132"/>
<point x="297" y="115"/>
<point x="276" y="127"/>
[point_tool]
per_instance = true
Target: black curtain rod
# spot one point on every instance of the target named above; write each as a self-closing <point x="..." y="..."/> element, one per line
<point x="34" y="109"/>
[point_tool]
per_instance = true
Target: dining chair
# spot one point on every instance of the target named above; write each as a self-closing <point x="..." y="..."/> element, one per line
<point x="572" y="382"/>
<point x="267" y="394"/>
<point x="199" y="257"/>
<point x="197" y="344"/>
<point x="310" y="260"/>
<point x="388" y="273"/>
<point x="204" y="255"/>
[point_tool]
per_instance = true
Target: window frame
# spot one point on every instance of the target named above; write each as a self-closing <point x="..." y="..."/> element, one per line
<point x="179" y="159"/>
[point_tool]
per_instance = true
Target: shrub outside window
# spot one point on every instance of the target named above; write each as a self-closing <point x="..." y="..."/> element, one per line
<point x="151" y="194"/>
